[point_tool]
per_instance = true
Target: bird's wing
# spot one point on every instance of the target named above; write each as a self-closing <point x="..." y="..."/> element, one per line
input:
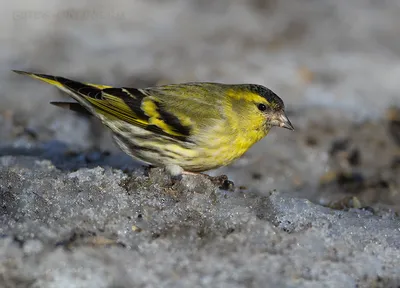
<point x="166" y="110"/>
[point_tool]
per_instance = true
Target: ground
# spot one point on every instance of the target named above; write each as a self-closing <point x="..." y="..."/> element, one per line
<point x="316" y="207"/>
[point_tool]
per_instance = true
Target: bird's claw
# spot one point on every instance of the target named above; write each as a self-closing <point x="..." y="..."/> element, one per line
<point x="222" y="182"/>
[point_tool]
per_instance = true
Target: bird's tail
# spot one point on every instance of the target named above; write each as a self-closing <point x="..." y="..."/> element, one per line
<point x="77" y="90"/>
<point x="73" y="106"/>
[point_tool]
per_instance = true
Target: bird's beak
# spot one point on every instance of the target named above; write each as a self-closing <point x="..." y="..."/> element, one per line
<point x="284" y="122"/>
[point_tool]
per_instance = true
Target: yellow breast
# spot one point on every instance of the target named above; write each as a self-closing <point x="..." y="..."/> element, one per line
<point x="223" y="148"/>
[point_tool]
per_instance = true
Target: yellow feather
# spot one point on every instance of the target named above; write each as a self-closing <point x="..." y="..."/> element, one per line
<point x="35" y="76"/>
<point x="150" y="108"/>
<point x="119" y="104"/>
<point x="245" y="95"/>
<point x="97" y="85"/>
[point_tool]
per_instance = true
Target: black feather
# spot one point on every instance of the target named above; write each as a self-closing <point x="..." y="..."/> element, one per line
<point x="268" y="94"/>
<point x="173" y="121"/>
<point x="86" y="90"/>
<point x="73" y="106"/>
<point x="132" y="97"/>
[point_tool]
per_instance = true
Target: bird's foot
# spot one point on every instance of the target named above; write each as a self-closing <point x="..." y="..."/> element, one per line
<point x="176" y="173"/>
<point x="221" y="181"/>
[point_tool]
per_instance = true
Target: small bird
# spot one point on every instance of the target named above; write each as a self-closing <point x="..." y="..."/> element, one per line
<point x="186" y="128"/>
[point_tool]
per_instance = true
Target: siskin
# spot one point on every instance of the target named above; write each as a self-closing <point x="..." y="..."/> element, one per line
<point x="186" y="128"/>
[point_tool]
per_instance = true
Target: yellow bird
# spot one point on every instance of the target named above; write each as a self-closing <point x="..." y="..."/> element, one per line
<point x="186" y="128"/>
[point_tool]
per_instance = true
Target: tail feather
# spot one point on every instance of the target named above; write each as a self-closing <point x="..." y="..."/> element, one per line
<point x="77" y="90"/>
<point x="57" y="80"/>
<point x="62" y="83"/>
<point x="52" y="80"/>
<point x="73" y="106"/>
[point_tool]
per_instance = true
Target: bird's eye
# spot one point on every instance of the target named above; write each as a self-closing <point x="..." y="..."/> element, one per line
<point x="262" y="107"/>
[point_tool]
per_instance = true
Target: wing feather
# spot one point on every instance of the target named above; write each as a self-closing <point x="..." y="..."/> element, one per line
<point x="135" y="106"/>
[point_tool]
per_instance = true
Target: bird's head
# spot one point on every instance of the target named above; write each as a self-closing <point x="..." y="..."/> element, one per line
<point x="261" y="105"/>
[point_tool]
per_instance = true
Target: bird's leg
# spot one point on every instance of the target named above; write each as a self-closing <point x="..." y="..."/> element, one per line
<point x="221" y="181"/>
<point x="175" y="172"/>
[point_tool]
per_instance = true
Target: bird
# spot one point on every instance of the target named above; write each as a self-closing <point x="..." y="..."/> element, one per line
<point x="186" y="128"/>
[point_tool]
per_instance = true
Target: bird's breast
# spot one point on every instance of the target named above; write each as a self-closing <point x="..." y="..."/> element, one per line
<point x="226" y="146"/>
